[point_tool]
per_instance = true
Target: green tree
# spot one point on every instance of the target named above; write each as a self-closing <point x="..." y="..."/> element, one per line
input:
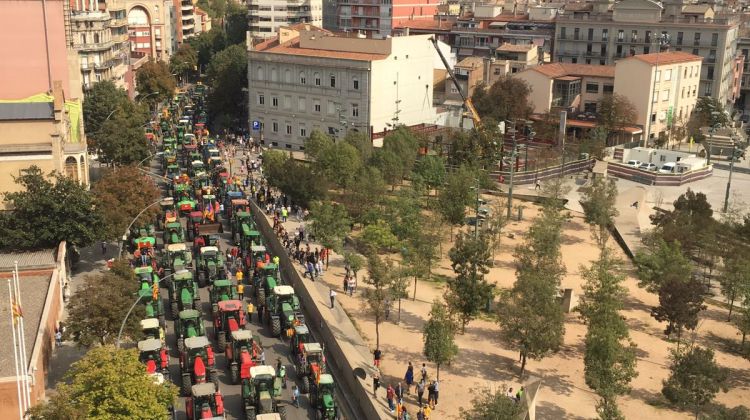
<point x="598" y="204"/>
<point x="100" y="104"/>
<point x="421" y="250"/>
<point x="531" y="319"/>
<point x="691" y="222"/>
<point x="404" y="144"/>
<point x="735" y="279"/>
<point x="695" y="379"/>
<point x="680" y="302"/>
<point x="97" y="309"/>
<point x="122" y="139"/>
<point x="207" y="44"/>
<point x="708" y="112"/>
<point x="48" y="210"/>
<point x="615" y="113"/>
<point x="609" y="361"/>
<point x="355" y="261"/>
<point x="339" y="163"/>
<point x="431" y="169"/>
<point x="378" y="237"/>
<point x="296" y="179"/>
<point x="397" y="290"/>
<point x="273" y="166"/>
<point x="330" y="224"/>
<point x="227" y="75"/>
<point x="122" y="193"/>
<point x="506" y="99"/>
<point x="155" y="82"/>
<point x="439" y="336"/>
<point x="489" y="404"/>
<point x="469" y="291"/>
<point x="739" y="412"/>
<point x="660" y="262"/>
<point x="743" y="322"/>
<point x="362" y="143"/>
<point x="390" y="166"/>
<point x="366" y="193"/>
<point x="455" y="196"/>
<point x="108" y="384"/>
<point x="236" y="23"/>
<point x="316" y="144"/>
<point x="376" y="296"/>
<point x="184" y="61"/>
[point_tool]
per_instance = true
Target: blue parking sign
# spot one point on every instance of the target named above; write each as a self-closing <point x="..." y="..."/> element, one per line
<point x="256" y="125"/>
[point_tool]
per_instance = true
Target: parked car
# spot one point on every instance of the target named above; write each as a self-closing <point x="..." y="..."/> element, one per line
<point x="668" y="168"/>
<point x="648" y="167"/>
<point x="634" y="163"/>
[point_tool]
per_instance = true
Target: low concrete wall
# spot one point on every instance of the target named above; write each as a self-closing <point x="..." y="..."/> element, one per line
<point x="620" y="170"/>
<point x="343" y="363"/>
<point x="530" y="177"/>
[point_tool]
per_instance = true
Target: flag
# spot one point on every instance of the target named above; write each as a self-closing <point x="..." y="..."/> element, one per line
<point x="17" y="312"/>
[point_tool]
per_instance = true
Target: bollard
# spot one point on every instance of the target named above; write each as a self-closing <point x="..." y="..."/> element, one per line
<point x="520" y="213"/>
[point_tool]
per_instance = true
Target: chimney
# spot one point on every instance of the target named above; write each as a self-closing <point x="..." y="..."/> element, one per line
<point x="406" y="31"/>
<point x="58" y="95"/>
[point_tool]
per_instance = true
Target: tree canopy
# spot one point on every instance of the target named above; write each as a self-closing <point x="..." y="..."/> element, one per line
<point x="122" y="139"/>
<point x="615" y="112"/>
<point x="695" y="378"/>
<point x="439" y="336"/>
<point x="100" y="104"/>
<point x="468" y="292"/>
<point x="155" y="82"/>
<point x="489" y="404"/>
<point x="227" y="74"/>
<point x="47" y="210"/>
<point x="599" y="209"/>
<point x="330" y="224"/>
<point x="122" y="193"/>
<point x="184" y="61"/>
<point x="107" y="384"/>
<point x="506" y="99"/>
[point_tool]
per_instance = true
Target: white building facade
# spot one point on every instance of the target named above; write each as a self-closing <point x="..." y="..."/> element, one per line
<point x="307" y="79"/>
<point x="267" y="16"/>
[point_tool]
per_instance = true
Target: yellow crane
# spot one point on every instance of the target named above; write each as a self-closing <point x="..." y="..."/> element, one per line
<point x="468" y="105"/>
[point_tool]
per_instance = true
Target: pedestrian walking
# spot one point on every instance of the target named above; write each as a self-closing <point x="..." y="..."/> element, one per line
<point x="431" y="394"/>
<point x="295" y="396"/>
<point x="377" y="354"/>
<point x="58" y="338"/>
<point x="537" y="185"/>
<point x="375" y="384"/>
<point x="284" y="214"/>
<point x="519" y="395"/>
<point x="409" y="377"/>
<point x="424" y="373"/>
<point x="436" y="392"/>
<point x="104" y="248"/>
<point x="399" y="392"/>
<point x="346" y="285"/>
<point x="332" y="295"/>
<point x="352" y="285"/>
<point x="239" y="276"/>
<point x="241" y="289"/>
<point x="262" y="357"/>
<point x="420" y="413"/>
<point x="389" y="395"/>
<point x="420" y="391"/>
<point x="250" y="310"/>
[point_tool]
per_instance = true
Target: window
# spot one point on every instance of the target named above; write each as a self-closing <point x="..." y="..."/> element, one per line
<point x="301" y="104"/>
<point x="331" y="131"/>
<point x="302" y="132"/>
<point x="289" y="129"/>
<point x="275" y="127"/>
<point x="261" y="99"/>
<point x="302" y="78"/>
<point x="588" y="49"/>
<point x="620" y="35"/>
<point x="274" y="75"/>
<point x="260" y="74"/>
<point x="287" y="102"/>
<point x="562" y="33"/>
<point x="331" y="107"/>
<point x="574" y="60"/>
<point x="696" y="51"/>
<point x="333" y="81"/>
<point x="633" y="36"/>
<point x="317" y="79"/>
<point x="316" y="105"/>
<point x="667" y="75"/>
<point x="648" y="36"/>
<point x="591" y="34"/>
<point x="665" y="95"/>
<point x="710" y="72"/>
<point x="589" y="107"/>
<point x="592" y="87"/>
<point x="679" y="38"/>
<point x="714" y="39"/>
<point x="655" y="99"/>
<point x="274" y="101"/>
<point x="601" y="62"/>
<point x="619" y="50"/>
<point x="605" y="34"/>
<point x="355" y="83"/>
<point x="697" y="39"/>
<point x="608" y="89"/>
<point x="646" y="49"/>
<point x="355" y="110"/>
<point x="288" y="76"/>
<point x="707" y="88"/>
<point x="576" y="33"/>
<point x="653" y="118"/>
<point x="603" y="50"/>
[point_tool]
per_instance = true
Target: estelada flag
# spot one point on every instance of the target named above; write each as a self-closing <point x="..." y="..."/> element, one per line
<point x="17" y="312"/>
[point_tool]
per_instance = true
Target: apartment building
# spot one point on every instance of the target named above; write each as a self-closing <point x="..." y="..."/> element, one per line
<point x="99" y="35"/>
<point x="743" y="46"/>
<point x="267" y="16"/>
<point x="377" y="19"/>
<point x="566" y="86"/>
<point x="185" y="19"/>
<point x="307" y="79"/>
<point x="150" y="28"/>
<point x="603" y="32"/>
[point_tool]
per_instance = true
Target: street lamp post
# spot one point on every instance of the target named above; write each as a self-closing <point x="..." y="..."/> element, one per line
<point x="125" y="235"/>
<point x="735" y="154"/>
<point x="125" y="320"/>
<point x="149" y="157"/>
<point x="512" y="132"/>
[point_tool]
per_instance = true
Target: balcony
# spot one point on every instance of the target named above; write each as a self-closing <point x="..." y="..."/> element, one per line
<point x="90" y="17"/>
<point x="187" y="27"/>
<point x="107" y="64"/>
<point x="120" y="38"/>
<point x="187" y="7"/>
<point x="101" y="46"/>
<point x="118" y="23"/>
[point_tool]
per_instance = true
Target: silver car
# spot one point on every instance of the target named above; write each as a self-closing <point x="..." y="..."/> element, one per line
<point x="648" y="167"/>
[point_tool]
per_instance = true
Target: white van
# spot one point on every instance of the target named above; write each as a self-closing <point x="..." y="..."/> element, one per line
<point x="668" y="168"/>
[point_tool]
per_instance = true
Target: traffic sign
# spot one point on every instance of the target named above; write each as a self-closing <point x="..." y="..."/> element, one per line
<point x="256" y="125"/>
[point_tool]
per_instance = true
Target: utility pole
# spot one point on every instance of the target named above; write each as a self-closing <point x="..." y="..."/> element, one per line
<point x="735" y="154"/>
<point x="512" y="132"/>
<point x="476" y="213"/>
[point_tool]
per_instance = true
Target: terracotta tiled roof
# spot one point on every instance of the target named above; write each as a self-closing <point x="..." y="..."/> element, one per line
<point x="669" y="57"/>
<point x="555" y="70"/>
<point x="438" y="25"/>
<point x="509" y="17"/>
<point x="470" y="62"/>
<point x="515" y="48"/>
<point x="292" y="48"/>
<point x="578" y="7"/>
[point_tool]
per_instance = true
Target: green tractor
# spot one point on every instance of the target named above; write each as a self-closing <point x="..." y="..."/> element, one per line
<point x="248" y="239"/>
<point x="238" y="220"/>
<point x="146" y="277"/>
<point x="154" y="306"/>
<point x="264" y="280"/>
<point x="209" y="265"/>
<point x="283" y="310"/>
<point x="177" y="258"/>
<point x="297" y="341"/>
<point x="173" y="233"/>
<point x="310" y="364"/>
<point x="220" y="291"/>
<point x="198" y="364"/>
<point x="187" y="325"/>
<point x="204" y="402"/>
<point x="260" y="393"/>
<point x="242" y="353"/>
<point x="230" y="317"/>
<point x="183" y="293"/>
<point x="322" y="398"/>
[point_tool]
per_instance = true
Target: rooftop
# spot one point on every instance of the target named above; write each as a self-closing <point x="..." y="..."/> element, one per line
<point x="696" y="9"/>
<point x="663" y="58"/>
<point x="470" y="62"/>
<point x="515" y="48"/>
<point x="438" y="25"/>
<point x="30" y="260"/>
<point x="33" y="295"/>
<point x="555" y="70"/>
<point x="292" y="47"/>
<point x="26" y="111"/>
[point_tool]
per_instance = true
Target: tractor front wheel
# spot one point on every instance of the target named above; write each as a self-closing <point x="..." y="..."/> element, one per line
<point x="261" y="296"/>
<point x="234" y="373"/>
<point x="202" y="281"/>
<point x="305" y="384"/>
<point x="249" y="412"/>
<point x="180" y="345"/>
<point x="214" y="377"/>
<point x="275" y="327"/>
<point x="313" y="399"/>
<point x="175" y="310"/>
<point x="282" y="412"/>
<point x="186" y="384"/>
<point x="222" y="339"/>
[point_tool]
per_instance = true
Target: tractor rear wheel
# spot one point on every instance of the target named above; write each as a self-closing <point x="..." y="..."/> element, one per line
<point x="190" y="235"/>
<point x="249" y="412"/>
<point x="234" y="373"/>
<point x="214" y="377"/>
<point x="187" y="384"/>
<point x="175" y="310"/>
<point x="275" y="327"/>
<point x="201" y="278"/>
<point x="282" y="411"/>
<point x="261" y="296"/>
<point x="314" y="399"/>
<point x="180" y="345"/>
<point x="222" y="339"/>
<point x="305" y="384"/>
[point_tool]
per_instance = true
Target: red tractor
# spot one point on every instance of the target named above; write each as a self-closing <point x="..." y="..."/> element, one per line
<point x="153" y="354"/>
<point x="230" y="317"/>
<point x="242" y="353"/>
<point x="197" y="364"/>
<point x="205" y="402"/>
